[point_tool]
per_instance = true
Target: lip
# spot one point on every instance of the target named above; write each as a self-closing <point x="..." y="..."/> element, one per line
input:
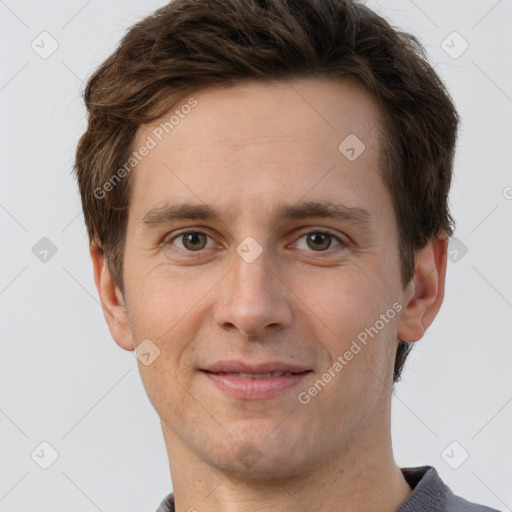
<point x="225" y="375"/>
<point x="232" y="366"/>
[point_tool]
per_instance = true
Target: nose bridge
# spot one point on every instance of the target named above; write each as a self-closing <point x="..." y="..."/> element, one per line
<point x="251" y="273"/>
<point x="252" y="298"/>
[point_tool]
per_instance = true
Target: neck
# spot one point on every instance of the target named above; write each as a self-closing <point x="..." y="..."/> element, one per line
<point x="361" y="477"/>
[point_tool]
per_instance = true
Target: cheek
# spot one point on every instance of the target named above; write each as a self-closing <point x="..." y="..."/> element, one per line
<point x="160" y="297"/>
<point x="170" y="308"/>
<point x="349" y="298"/>
<point x="358" y="349"/>
<point x="165" y="309"/>
<point x="356" y="314"/>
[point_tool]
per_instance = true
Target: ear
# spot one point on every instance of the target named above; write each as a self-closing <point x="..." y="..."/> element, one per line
<point x="425" y="292"/>
<point x="112" y="301"/>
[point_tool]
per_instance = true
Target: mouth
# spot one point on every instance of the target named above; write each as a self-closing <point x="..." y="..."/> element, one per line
<point x="267" y="375"/>
<point x="249" y="385"/>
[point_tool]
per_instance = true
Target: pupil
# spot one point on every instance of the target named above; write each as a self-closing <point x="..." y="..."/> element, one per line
<point x="192" y="240"/>
<point x="320" y="241"/>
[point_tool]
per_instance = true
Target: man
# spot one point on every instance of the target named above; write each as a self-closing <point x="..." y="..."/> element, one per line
<point x="265" y="188"/>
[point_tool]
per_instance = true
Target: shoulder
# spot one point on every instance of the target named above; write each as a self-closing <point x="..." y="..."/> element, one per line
<point x="167" y="504"/>
<point x="430" y="493"/>
<point x="458" y="504"/>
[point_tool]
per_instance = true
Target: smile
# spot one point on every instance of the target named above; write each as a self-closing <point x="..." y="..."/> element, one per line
<point x="247" y="386"/>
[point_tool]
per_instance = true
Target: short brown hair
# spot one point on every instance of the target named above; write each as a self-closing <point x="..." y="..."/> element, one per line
<point x="190" y="45"/>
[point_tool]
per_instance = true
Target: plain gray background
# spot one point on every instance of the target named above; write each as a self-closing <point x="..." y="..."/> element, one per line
<point x="65" y="382"/>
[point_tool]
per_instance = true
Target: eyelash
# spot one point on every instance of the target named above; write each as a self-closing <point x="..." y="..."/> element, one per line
<point x="170" y="242"/>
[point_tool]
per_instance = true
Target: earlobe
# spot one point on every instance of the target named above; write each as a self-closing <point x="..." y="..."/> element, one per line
<point x="424" y="294"/>
<point x="112" y="300"/>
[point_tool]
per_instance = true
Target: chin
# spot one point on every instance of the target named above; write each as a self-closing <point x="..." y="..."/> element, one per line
<point x="258" y="452"/>
<point x="252" y="464"/>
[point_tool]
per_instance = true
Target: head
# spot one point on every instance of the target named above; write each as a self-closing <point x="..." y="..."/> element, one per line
<point x="263" y="96"/>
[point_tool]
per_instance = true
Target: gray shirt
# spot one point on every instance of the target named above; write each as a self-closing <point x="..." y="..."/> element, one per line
<point x="429" y="494"/>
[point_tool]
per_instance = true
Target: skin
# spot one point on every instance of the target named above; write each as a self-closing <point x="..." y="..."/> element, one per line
<point x="244" y="150"/>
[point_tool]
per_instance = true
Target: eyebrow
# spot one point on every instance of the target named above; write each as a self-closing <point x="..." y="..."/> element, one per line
<point x="168" y="213"/>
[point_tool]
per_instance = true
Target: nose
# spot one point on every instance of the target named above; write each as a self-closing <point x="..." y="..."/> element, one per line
<point x="253" y="299"/>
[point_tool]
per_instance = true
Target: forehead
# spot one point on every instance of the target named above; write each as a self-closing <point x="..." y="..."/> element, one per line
<point x="222" y="113"/>
<point x="303" y="136"/>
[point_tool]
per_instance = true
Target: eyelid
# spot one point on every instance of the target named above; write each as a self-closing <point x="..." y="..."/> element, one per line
<point x="169" y="240"/>
<point x="323" y="231"/>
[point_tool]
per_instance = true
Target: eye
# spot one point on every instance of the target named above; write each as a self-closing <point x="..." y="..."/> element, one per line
<point x="319" y="241"/>
<point x="192" y="241"/>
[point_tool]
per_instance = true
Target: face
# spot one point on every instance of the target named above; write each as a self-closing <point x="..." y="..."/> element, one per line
<point x="257" y="245"/>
